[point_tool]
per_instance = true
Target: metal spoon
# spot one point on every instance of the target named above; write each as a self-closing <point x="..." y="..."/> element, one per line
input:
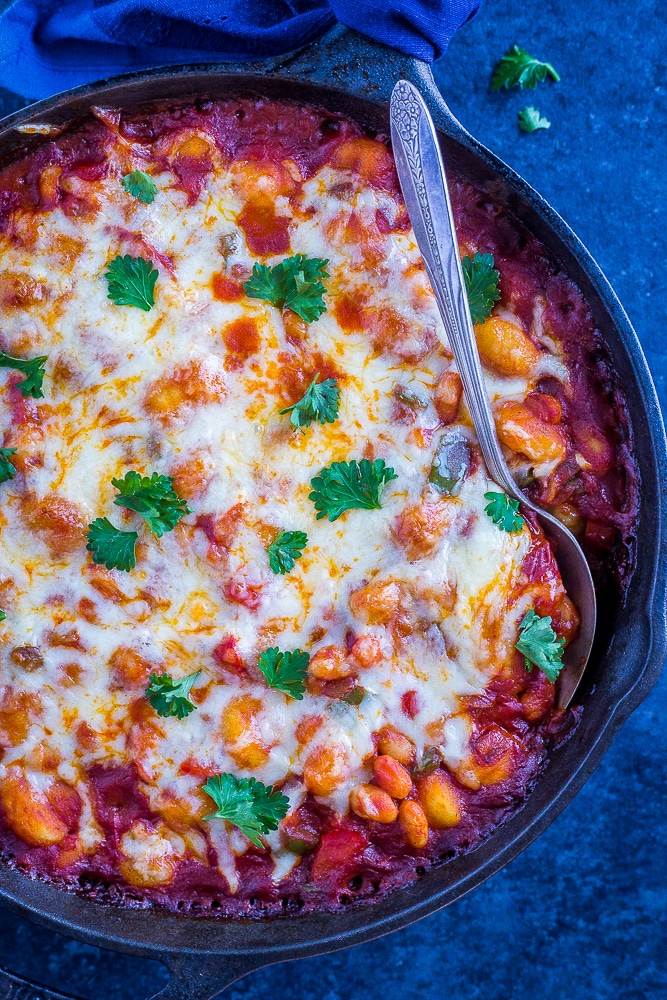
<point x="424" y="185"/>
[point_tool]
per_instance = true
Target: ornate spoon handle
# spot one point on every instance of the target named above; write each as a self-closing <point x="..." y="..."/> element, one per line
<point x="424" y="185"/>
<point x="422" y="175"/>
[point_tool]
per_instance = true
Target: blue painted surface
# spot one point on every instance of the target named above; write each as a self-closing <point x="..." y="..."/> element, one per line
<point x="581" y="913"/>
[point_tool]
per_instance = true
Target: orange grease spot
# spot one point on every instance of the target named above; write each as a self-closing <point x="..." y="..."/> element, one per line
<point x="241" y="340"/>
<point x="265" y="231"/>
<point x="226" y="290"/>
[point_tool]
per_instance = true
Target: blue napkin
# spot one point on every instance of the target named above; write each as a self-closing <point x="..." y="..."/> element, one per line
<point x="49" y="45"/>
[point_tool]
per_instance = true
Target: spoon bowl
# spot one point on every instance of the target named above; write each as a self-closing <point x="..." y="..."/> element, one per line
<point x="423" y="181"/>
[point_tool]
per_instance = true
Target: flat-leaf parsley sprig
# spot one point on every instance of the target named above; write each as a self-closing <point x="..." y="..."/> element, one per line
<point x="32" y="368"/>
<point x="530" y="120"/>
<point x="7" y="470"/>
<point x="171" y="698"/>
<point x="321" y="402"/>
<point x="154" y="498"/>
<point x="285" y="671"/>
<point x="140" y="186"/>
<point x="481" y="279"/>
<point x="504" y="512"/>
<point x="251" y="806"/>
<point x="540" y="645"/>
<point x="350" y="486"/>
<point x="131" y="282"/>
<point x="110" y="546"/>
<point x="295" y="283"/>
<point x="285" y="549"/>
<point x="518" y="68"/>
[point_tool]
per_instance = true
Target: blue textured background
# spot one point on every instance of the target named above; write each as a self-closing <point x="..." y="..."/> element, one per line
<point x="582" y="913"/>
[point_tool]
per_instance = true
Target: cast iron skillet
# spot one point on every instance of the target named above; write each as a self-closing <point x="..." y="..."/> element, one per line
<point x="346" y="72"/>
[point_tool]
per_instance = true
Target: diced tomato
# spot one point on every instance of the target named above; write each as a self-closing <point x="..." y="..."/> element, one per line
<point x="241" y="592"/>
<point x="410" y="705"/>
<point x="197" y="769"/>
<point x="227" y="655"/>
<point x="337" y="853"/>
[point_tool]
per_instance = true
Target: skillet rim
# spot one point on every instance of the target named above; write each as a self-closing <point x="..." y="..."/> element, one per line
<point x="344" y="56"/>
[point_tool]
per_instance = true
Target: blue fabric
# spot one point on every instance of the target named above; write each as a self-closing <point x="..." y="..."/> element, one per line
<point x="47" y="46"/>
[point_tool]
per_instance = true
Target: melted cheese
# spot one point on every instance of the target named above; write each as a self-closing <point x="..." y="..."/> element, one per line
<point x="106" y="364"/>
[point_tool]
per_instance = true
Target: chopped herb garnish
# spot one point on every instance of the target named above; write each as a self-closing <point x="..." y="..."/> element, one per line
<point x="295" y="283"/>
<point x="350" y="486"/>
<point x="430" y="761"/>
<point x="355" y="696"/>
<point x="154" y="498"/>
<point x="169" y="697"/>
<point x="530" y="120"/>
<point x="285" y="672"/>
<point x="451" y="464"/>
<point x="33" y="369"/>
<point x="320" y="402"/>
<point x="286" y="549"/>
<point x="246" y="803"/>
<point x="404" y="394"/>
<point x="481" y="280"/>
<point x="504" y="512"/>
<point x="132" y="282"/>
<point x="7" y="470"/>
<point x="2" y="616"/>
<point x="540" y="646"/>
<point x="110" y="546"/>
<point x="518" y="68"/>
<point x="140" y="186"/>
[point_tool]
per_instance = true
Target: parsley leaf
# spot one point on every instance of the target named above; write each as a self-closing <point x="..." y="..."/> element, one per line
<point x="169" y="697"/>
<point x="286" y="549"/>
<point x="7" y="470"/>
<point x="295" y="283"/>
<point x="504" y="512"/>
<point x="481" y="280"/>
<point x="349" y="486"/>
<point x="33" y="369"/>
<point x="131" y="282"/>
<point x="2" y="616"/>
<point x="539" y="645"/>
<point x="285" y="672"/>
<point x="518" y="68"/>
<point x="154" y="498"/>
<point x="246" y="803"/>
<point x="530" y="120"/>
<point x="140" y="186"/>
<point x="110" y="546"/>
<point x="320" y="402"/>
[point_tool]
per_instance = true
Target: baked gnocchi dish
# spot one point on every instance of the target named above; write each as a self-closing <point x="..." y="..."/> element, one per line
<point x="271" y="639"/>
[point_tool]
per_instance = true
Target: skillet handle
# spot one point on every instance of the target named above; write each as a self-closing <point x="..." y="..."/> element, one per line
<point x="346" y="60"/>
<point x="14" y="988"/>
<point x="192" y="977"/>
<point x="201" y="977"/>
